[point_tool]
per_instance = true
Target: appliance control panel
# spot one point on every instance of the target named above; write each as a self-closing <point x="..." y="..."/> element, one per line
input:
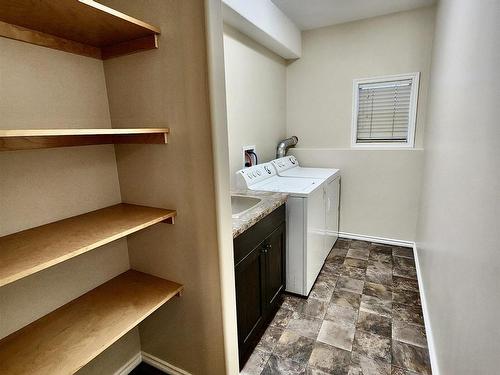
<point x="284" y="163"/>
<point x="255" y="174"/>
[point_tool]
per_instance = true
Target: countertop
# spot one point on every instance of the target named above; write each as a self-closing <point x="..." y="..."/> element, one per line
<point x="270" y="202"/>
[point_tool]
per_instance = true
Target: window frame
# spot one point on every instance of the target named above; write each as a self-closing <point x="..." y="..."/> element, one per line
<point x="412" y="118"/>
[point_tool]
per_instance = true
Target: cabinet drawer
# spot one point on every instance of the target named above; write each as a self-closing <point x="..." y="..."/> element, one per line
<point x="248" y="240"/>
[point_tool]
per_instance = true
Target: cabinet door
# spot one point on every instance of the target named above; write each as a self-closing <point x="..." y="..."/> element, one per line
<point x="332" y="213"/>
<point x="250" y="300"/>
<point x="275" y="250"/>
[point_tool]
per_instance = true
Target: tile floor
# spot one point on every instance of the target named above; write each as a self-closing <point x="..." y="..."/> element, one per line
<point x="363" y="316"/>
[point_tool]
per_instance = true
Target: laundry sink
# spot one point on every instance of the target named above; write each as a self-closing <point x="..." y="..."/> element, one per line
<point x="241" y="204"/>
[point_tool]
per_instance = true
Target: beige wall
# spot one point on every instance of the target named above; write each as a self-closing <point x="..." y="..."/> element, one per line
<point x="170" y="87"/>
<point x="319" y="84"/>
<point x="44" y="88"/>
<point x="256" y="98"/>
<point x="380" y="190"/>
<point x="458" y="236"/>
<point x="220" y="151"/>
<point x="319" y="112"/>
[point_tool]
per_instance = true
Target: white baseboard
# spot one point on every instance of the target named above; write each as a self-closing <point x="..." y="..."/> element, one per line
<point x="130" y="365"/>
<point x="427" y="321"/>
<point x="162" y="365"/>
<point x="387" y="241"/>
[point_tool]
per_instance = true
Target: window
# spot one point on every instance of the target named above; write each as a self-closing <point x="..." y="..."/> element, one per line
<point x="384" y="111"/>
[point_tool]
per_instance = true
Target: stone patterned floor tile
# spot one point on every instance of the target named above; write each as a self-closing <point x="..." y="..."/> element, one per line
<point x="322" y="289"/>
<point x="336" y="259"/>
<point x="256" y="363"/>
<point x="362" y="317"/>
<point x="283" y="366"/>
<point x="411" y="357"/>
<point x="361" y="365"/>
<point x="359" y="244"/>
<point x="333" y="268"/>
<point x="384" y="292"/>
<point x="342" y="252"/>
<point x="342" y="243"/>
<point x="350" y="285"/>
<point x="305" y="325"/>
<point x="409" y="273"/>
<point x="270" y="339"/>
<point x="374" y="323"/>
<point x="404" y="267"/>
<point x="353" y="272"/>
<point x="380" y="256"/>
<point x="353" y="262"/>
<point x="403" y="262"/>
<point x="346" y="299"/>
<point x="329" y="359"/>
<point x="282" y="318"/>
<point x="372" y="346"/>
<point x="295" y="347"/>
<point x="401" y="371"/>
<point x="359" y="253"/>
<point x="406" y="297"/>
<point x="337" y="334"/>
<point x="381" y="248"/>
<point x="405" y="252"/>
<point x="341" y="315"/>
<point x="379" y="274"/>
<point x="408" y="314"/>
<point x="375" y="305"/>
<point x="315" y="371"/>
<point x="293" y="303"/>
<point x="409" y="333"/>
<point x="314" y="307"/>
<point x="402" y="283"/>
<point x="329" y="278"/>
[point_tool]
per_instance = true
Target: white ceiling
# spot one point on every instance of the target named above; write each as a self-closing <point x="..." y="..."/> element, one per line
<point x="311" y="14"/>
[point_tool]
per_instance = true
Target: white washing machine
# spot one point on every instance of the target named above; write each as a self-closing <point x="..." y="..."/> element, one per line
<point x="288" y="166"/>
<point x="305" y="226"/>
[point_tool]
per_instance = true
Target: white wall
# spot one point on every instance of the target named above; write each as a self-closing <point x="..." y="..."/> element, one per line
<point x="256" y="98"/>
<point x="265" y="23"/>
<point x="319" y="112"/>
<point x="458" y="233"/>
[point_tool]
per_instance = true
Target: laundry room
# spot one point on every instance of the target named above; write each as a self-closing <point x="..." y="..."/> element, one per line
<point x="249" y="187"/>
<point x="327" y="112"/>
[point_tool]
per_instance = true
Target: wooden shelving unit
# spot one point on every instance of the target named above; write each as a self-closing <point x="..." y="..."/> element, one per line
<point x="32" y="250"/>
<point x="26" y="139"/>
<point x="71" y="336"/>
<point x="83" y="27"/>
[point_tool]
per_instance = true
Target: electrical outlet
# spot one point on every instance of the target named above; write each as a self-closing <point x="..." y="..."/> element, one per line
<point x="244" y="150"/>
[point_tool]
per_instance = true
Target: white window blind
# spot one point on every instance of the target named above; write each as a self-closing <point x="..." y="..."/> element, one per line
<point x="385" y="112"/>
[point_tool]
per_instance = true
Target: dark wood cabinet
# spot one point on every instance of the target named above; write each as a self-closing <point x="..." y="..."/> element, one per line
<point x="260" y="254"/>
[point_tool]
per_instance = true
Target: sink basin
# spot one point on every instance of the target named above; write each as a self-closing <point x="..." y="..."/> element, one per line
<point x="241" y="204"/>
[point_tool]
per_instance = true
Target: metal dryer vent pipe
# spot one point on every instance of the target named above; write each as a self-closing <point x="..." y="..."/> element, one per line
<point x="284" y="145"/>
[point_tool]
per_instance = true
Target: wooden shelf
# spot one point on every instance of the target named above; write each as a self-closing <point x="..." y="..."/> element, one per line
<point x="71" y="336"/>
<point x="84" y="27"/>
<point x="26" y="139"/>
<point x="32" y="250"/>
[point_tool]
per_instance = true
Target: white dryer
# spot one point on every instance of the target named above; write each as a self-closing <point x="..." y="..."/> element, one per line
<point x="305" y="228"/>
<point x="288" y="166"/>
